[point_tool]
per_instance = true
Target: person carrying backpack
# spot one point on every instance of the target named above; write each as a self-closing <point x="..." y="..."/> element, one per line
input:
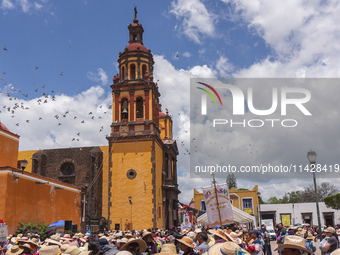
<point x="310" y="245"/>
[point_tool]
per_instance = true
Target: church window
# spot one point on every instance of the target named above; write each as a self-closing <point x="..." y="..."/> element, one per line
<point x="123" y="73"/>
<point x="125" y="109"/>
<point x="134" y="37"/>
<point x="132" y="72"/>
<point x="67" y="168"/>
<point x="139" y="107"/>
<point x="131" y="174"/>
<point x="144" y="68"/>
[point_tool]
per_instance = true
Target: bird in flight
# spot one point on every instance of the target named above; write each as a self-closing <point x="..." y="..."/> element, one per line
<point x="36" y="67"/>
<point x="5" y="48"/>
<point x="61" y="74"/>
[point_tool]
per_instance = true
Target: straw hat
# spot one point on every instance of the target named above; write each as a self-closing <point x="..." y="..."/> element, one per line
<point x="72" y="250"/>
<point x="226" y="248"/>
<point x="219" y="233"/>
<point x="310" y="236"/>
<point x="211" y="241"/>
<point x="123" y="240"/>
<point x="15" y="250"/>
<point x="34" y="241"/>
<point x="49" y="250"/>
<point x="123" y="253"/>
<point x="146" y="233"/>
<point x="300" y="232"/>
<point x="187" y="241"/>
<point x="292" y="227"/>
<point x="19" y="235"/>
<point x="330" y="230"/>
<point x="140" y="242"/>
<point x="54" y="239"/>
<point x="26" y="245"/>
<point x="336" y="252"/>
<point x="191" y="234"/>
<point x="13" y="239"/>
<point x="64" y="247"/>
<point x="294" y="242"/>
<point x="234" y="238"/>
<point x="168" y="249"/>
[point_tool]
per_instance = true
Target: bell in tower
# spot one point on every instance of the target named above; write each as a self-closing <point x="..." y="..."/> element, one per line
<point x="136" y="31"/>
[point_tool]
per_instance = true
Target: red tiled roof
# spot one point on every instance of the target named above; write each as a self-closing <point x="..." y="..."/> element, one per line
<point x="134" y="46"/>
<point x="161" y="114"/>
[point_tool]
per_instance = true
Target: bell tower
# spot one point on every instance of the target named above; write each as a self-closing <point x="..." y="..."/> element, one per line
<point x="142" y="154"/>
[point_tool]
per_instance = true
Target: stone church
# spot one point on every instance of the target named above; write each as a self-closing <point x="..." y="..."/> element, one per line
<point x="132" y="181"/>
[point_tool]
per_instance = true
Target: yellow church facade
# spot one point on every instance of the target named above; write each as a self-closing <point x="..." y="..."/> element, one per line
<point x="139" y="186"/>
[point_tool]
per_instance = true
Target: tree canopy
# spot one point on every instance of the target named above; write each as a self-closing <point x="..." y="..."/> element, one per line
<point x="231" y="181"/>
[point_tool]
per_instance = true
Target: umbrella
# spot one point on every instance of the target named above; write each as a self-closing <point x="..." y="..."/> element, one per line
<point x="59" y="223"/>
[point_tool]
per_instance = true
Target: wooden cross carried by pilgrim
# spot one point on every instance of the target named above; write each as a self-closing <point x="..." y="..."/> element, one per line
<point x="135" y="12"/>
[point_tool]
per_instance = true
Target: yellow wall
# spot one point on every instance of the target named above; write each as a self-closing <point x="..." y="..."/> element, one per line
<point x="159" y="197"/>
<point x="28" y="155"/>
<point x="237" y="201"/>
<point x="9" y="145"/>
<point x="137" y="156"/>
<point x="22" y="200"/>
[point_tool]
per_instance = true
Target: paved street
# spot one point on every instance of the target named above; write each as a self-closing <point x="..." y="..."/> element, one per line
<point x="274" y="246"/>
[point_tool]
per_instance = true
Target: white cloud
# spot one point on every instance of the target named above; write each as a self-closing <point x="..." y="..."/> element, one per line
<point x="224" y="67"/>
<point x="25" y="5"/>
<point x="195" y="18"/>
<point x="187" y="54"/>
<point x="100" y="77"/>
<point x="7" y="4"/>
<point x="302" y="37"/>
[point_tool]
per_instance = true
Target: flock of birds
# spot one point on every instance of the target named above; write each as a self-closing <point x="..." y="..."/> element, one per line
<point x="11" y="107"/>
<point x="45" y="98"/>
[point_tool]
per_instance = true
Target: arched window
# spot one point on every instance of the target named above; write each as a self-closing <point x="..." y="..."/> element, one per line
<point x="67" y="168"/>
<point x="122" y="75"/>
<point x="139" y="107"/>
<point x="144" y="68"/>
<point x="124" y="109"/>
<point x="132" y="72"/>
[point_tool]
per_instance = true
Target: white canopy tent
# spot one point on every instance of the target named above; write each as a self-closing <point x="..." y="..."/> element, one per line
<point x="239" y="216"/>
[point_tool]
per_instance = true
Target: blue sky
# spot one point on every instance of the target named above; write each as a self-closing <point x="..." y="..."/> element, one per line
<point x="82" y="39"/>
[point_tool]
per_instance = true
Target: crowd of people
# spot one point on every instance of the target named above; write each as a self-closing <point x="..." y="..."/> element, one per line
<point x="201" y="241"/>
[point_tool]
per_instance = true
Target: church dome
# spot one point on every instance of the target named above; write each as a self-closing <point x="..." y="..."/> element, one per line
<point x="134" y="46"/>
<point x="2" y="126"/>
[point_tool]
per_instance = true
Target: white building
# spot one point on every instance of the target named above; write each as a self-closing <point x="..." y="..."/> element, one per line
<point x="300" y="213"/>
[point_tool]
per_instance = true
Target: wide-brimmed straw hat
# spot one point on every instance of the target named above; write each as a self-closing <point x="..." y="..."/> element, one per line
<point x="15" y="250"/>
<point x="292" y="227"/>
<point x="336" y="252"/>
<point x="219" y="233"/>
<point x="54" y="239"/>
<point x="123" y="240"/>
<point x="310" y="236"/>
<point x="64" y="247"/>
<point x="235" y="238"/>
<point x="26" y="245"/>
<point x="330" y="230"/>
<point x="187" y="241"/>
<point x="294" y="242"/>
<point x="211" y="241"/>
<point x="49" y="250"/>
<point x="228" y="248"/>
<point x="146" y="233"/>
<point x="300" y="231"/>
<point x="140" y="242"/>
<point x="34" y="241"/>
<point x="168" y="249"/>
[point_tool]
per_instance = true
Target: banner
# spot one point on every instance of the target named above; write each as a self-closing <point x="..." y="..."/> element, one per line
<point x="224" y="204"/>
<point x="186" y="220"/>
<point x="285" y="219"/>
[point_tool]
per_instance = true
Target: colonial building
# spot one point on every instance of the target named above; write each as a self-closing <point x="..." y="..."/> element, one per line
<point x="143" y="189"/>
<point x="18" y="187"/>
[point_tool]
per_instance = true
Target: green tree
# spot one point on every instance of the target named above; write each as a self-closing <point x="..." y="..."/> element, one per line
<point x="231" y="181"/>
<point x="274" y="200"/>
<point x="333" y="201"/>
<point x="291" y="197"/>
